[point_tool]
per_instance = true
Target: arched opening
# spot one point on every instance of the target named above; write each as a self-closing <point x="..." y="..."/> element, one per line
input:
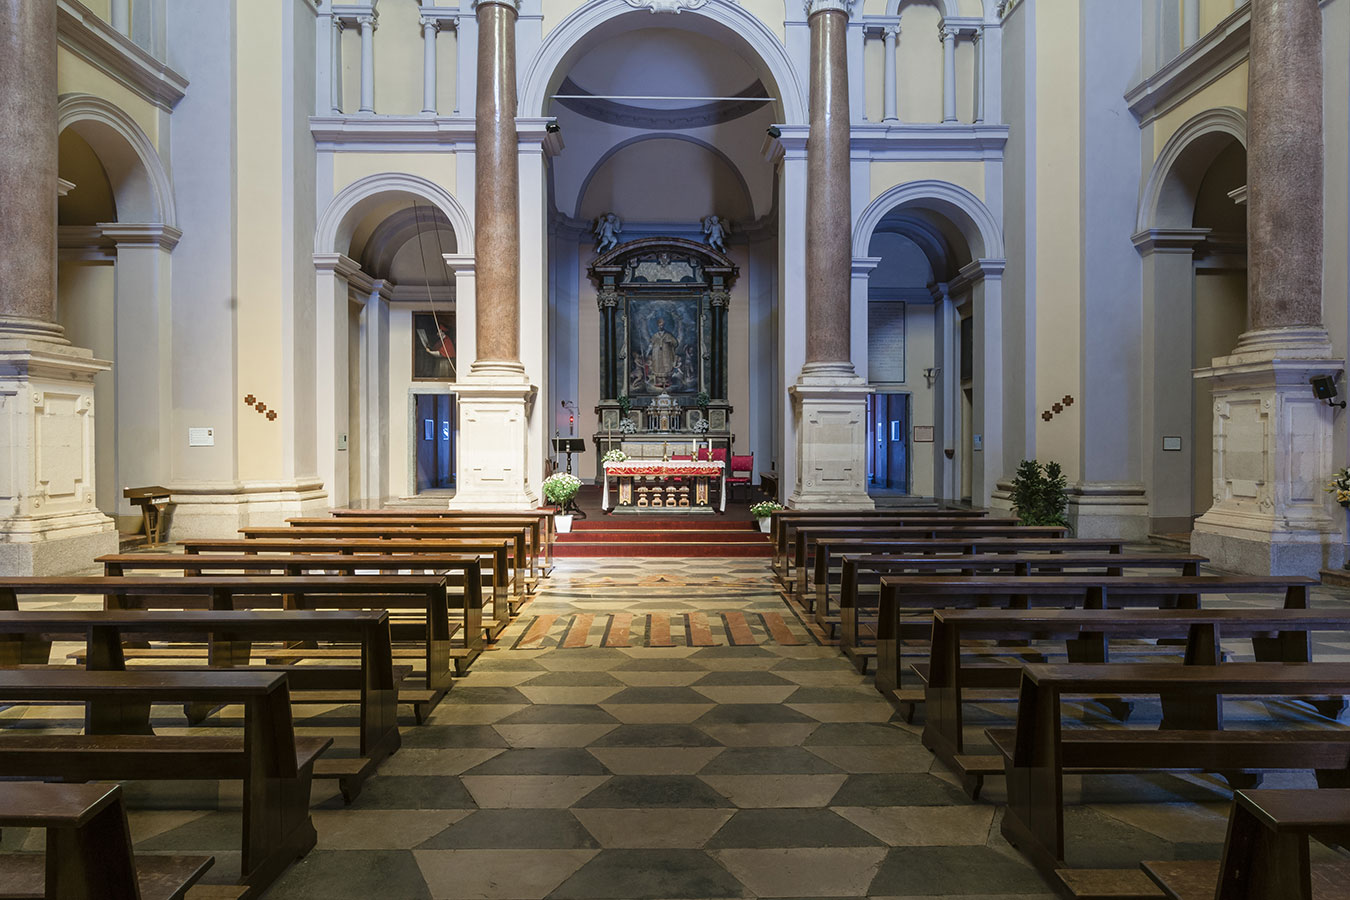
<point x="1193" y="239"/>
<point x="116" y="232"/>
<point x="664" y="129"/>
<point x="389" y="345"/>
<point x="934" y="343"/>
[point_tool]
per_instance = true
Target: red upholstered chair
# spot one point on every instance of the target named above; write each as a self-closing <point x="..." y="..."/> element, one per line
<point x="678" y="458"/>
<point x="720" y="455"/>
<point x="702" y="453"/>
<point x="740" y="472"/>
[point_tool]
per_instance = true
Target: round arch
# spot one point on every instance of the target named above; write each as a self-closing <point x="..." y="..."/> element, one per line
<point x="670" y="136"/>
<point x="893" y="8"/>
<point x="338" y="221"/>
<point x="1168" y="198"/>
<point x="140" y="183"/>
<point x="561" y="41"/>
<point x="967" y="212"/>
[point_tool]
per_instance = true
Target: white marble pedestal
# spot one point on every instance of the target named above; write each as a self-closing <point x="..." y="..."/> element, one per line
<point x="831" y="405"/>
<point x="494" y="408"/>
<point x="1272" y="457"/>
<point x="49" y="524"/>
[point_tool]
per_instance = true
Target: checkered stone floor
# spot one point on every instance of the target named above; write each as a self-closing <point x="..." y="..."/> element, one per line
<point x="737" y="769"/>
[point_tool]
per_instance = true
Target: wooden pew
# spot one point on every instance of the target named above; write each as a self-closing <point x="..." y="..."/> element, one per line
<point x="1265" y="854"/>
<point x="463" y="571"/>
<point x="538" y="532"/>
<point x="497" y="555"/>
<point x="424" y="592"/>
<point x="900" y="594"/>
<point x="548" y="534"/>
<point x="806" y="537"/>
<point x="104" y="633"/>
<point x="274" y="764"/>
<point x="88" y="848"/>
<point x="784" y="517"/>
<point x="1020" y="564"/>
<point x="526" y="565"/>
<point x="1038" y="752"/>
<point x="782" y="538"/>
<point x="947" y="677"/>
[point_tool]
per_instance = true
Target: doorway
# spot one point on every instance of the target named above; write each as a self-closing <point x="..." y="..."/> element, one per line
<point x="888" y="443"/>
<point x="434" y="421"/>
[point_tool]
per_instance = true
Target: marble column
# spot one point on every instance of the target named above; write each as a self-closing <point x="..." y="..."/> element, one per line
<point x="430" y="26"/>
<point x="948" y="73"/>
<point x="888" y="37"/>
<point x="336" y="84"/>
<point x="51" y="523"/>
<point x="496" y="397"/>
<point x="829" y="398"/>
<point x="367" y="24"/>
<point x="1273" y="439"/>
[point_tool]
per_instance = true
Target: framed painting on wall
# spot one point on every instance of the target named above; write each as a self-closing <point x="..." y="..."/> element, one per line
<point x="433" y="347"/>
<point x="663" y="345"/>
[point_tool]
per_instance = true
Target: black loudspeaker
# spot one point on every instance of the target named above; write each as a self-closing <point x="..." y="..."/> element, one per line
<point x="1324" y="388"/>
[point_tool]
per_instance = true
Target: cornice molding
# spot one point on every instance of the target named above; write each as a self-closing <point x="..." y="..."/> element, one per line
<point x="1192" y="70"/>
<point x="1168" y="240"/>
<point x="902" y="141"/>
<point x="117" y="56"/>
<point x="166" y="237"/>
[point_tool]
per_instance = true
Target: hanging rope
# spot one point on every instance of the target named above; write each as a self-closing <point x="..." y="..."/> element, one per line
<point x="444" y="344"/>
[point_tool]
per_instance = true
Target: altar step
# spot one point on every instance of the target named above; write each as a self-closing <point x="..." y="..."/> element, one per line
<point x="649" y="537"/>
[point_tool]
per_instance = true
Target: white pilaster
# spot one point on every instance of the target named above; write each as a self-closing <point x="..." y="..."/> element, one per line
<point x="430" y="26"/>
<point x="368" y="24"/>
<point x="888" y="103"/>
<point x="1190" y="22"/>
<point x="336" y="82"/>
<point x="332" y="272"/>
<point x="948" y="34"/>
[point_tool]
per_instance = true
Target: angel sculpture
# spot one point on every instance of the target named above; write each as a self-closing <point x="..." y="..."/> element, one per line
<point x="607" y="230"/>
<point x="716" y="229"/>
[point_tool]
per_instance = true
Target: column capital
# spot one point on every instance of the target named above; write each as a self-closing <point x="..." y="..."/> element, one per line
<point x="947" y="32"/>
<point x="444" y="19"/>
<point x="890" y="33"/>
<point x="371" y="19"/>
<point x="816" y="6"/>
<point x="166" y="237"/>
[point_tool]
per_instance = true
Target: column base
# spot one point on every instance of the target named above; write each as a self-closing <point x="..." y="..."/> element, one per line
<point x="1109" y="510"/>
<point x="1273" y="453"/>
<point x="831" y="405"/>
<point x="49" y="523"/>
<point x="218" y="511"/>
<point x="494" y="407"/>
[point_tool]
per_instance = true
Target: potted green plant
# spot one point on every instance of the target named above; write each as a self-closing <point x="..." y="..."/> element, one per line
<point x="1040" y="494"/>
<point x="1339" y="486"/>
<point x="559" y="490"/>
<point x="762" y="512"/>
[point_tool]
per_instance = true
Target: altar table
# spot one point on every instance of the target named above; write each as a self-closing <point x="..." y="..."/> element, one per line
<point x="696" y="471"/>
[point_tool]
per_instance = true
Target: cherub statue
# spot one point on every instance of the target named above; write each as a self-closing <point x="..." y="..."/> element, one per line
<point x="607" y="230"/>
<point x="717" y="229"/>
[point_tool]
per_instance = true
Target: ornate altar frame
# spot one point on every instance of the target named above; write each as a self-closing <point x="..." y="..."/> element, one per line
<point x="652" y="270"/>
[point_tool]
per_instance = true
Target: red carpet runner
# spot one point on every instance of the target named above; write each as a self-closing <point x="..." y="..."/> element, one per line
<point x="642" y="536"/>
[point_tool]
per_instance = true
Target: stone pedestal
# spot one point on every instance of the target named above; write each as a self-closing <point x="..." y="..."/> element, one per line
<point x="1109" y="510"/>
<point x="494" y="408"/>
<point x="830" y="401"/>
<point x="51" y="525"/>
<point x="1272" y="457"/>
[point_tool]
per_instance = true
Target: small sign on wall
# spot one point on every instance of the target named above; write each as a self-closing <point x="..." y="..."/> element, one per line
<point x="923" y="434"/>
<point x="201" y="437"/>
<point x="1171" y="443"/>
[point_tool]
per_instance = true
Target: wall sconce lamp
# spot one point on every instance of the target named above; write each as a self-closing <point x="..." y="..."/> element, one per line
<point x="932" y="374"/>
<point x="1324" y="388"/>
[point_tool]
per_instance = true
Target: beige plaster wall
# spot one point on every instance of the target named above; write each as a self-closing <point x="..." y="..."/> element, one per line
<point x="886" y="174"/>
<point x="75" y="76"/>
<point x="1227" y="90"/>
<point x="1058" y="250"/>
<point x="398" y="59"/>
<point x="437" y="167"/>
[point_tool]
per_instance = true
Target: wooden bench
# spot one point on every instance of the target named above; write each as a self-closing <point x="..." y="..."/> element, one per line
<point x="922" y="594"/>
<point x="88" y="848"/>
<point x="498" y="555"/>
<point x="548" y="534"/>
<point x="461" y="570"/>
<point x="433" y="633"/>
<point x="228" y="633"/>
<point x="1266" y="854"/>
<point x="274" y="764"/>
<point x="1037" y="752"/>
<point x="872" y="568"/>
<point x="783" y="518"/>
<point x="784" y="538"/>
<point x="807" y="537"/>
<point x="538" y="532"/>
<point x="948" y="678"/>
<point x="527" y="573"/>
